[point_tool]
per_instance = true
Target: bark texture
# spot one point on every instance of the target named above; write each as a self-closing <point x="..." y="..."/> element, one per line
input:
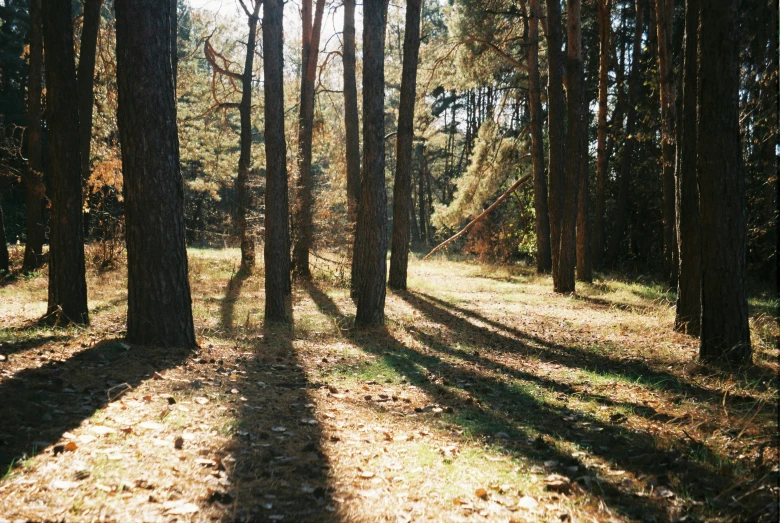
<point x="624" y="179"/>
<point x="303" y="204"/>
<point x="602" y="165"/>
<point x="159" y="308"/>
<point x="371" y="236"/>
<point x="277" y="225"/>
<point x="86" y="76"/>
<point x="4" y="261"/>
<point x="556" y="116"/>
<point x="402" y="188"/>
<point x="243" y="189"/>
<point x="543" y="256"/>
<point x="688" y="307"/>
<point x="725" y="334"/>
<point x="584" y="270"/>
<point x="563" y="272"/>
<point x="36" y="191"/>
<point x="351" y="128"/>
<point x="67" y="282"/>
<point x="663" y="11"/>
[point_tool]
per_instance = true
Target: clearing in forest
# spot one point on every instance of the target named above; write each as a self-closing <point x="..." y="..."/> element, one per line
<point x="486" y="397"/>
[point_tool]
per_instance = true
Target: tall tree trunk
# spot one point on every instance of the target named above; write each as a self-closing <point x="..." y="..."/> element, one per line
<point x="243" y="188"/>
<point x="277" y="223"/>
<point x="303" y="204"/>
<point x="159" y="307"/>
<point x="543" y="256"/>
<point x="402" y="188"/>
<point x="36" y="191"/>
<point x="563" y="273"/>
<point x="555" y="132"/>
<point x="663" y="10"/>
<point x="421" y="199"/>
<point x="174" y="43"/>
<point x="86" y="75"/>
<point x="725" y="334"/>
<point x="624" y="181"/>
<point x="605" y="31"/>
<point x="688" y="307"/>
<point x="584" y="247"/>
<point x="351" y="129"/>
<point x="4" y="259"/>
<point x="67" y="280"/>
<point x="371" y="237"/>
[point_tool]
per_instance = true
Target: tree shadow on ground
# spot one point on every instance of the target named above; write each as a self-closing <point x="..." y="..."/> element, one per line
<point x="8" y="348"/>
<point x="631" y="370"/>
<point x="38" y="405"/>
<point x="232" y="293"/>
<point x="539" y="429"/>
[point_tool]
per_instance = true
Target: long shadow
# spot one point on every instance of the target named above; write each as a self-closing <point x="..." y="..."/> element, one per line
<point x="521" y="342"/>
<point x="280" y="468"/>
<point x="232" y="293"/>
<point x="520" y="414"/>
<point x="38" y="405"/>
<point x="12" y="347"/>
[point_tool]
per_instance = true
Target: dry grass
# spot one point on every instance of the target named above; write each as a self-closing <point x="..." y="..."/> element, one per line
<point x="482" y="386"/>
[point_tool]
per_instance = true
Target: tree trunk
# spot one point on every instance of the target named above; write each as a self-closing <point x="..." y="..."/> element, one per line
<point x="303" y="204"/>
<point x="67" y="280"/>
<point x="159" y="307"/>
<point x="605" y="31"/>
<point x="371" y="237"/>
<point x="36" y="191"/>
<point x="725" y="334"/>
<point x="4" y="260"/>
<point x="86" y="76"/>
<point x="555" y="132"/>
<point x="173" y="42"/>
<point x="351" y="128"/>
<point x="584" y="247"/>
<point x="402" y="188"/>
<point x="277" y="224"/>
<point x="543" y="256"/>
<point x="624" y="181"/>
<point x="563" y="273"/>
<point x="663" y="10"/>
<point x="243" y="188"/>
<point x="688" y="307"/>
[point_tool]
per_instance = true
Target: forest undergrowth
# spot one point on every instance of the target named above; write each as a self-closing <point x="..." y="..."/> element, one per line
<point x="486" y="397"/>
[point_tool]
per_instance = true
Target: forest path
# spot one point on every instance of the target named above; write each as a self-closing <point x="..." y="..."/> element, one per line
<point x="485" y="398"/>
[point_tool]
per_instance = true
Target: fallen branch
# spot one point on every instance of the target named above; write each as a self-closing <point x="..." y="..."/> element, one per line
<point x="484" y="213"/>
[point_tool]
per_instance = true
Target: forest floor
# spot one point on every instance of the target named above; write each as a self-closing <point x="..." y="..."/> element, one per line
<point x="486" y="397"/>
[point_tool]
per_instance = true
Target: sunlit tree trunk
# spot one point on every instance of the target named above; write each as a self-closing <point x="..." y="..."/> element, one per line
<point x="371" y="237"/>
<point x="303" y="204"/>
<point x="543" y="256"/>
<point x="67" y="282"/>
<point x="725" y="333"/>
<point x="277" y="225"/>
<point x="602" y="166"/>
<point x="351" y="125"/>
<point x="36" y="192"/>
<point x="688" y="309"/>
<point x="402" y="189"/>
<point x="159" y="306"/>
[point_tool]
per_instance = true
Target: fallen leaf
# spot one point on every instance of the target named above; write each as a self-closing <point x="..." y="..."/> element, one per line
<point x="181" y="509"/>
<point x="102" y="430"/>
<point x="151" y="425"/>
<point x="178" y="443"/>
<point x="367" y="474"/>
<point x="64" y="485"/>
<point x="205" y="462"/>
<point x="527" y="502"/>
<point x="200" y="400"/>
<point x="278" y="428"/>
<point x="481" y="493"/>
<point x="71" y="446"/>
<point x="557" y="483"/>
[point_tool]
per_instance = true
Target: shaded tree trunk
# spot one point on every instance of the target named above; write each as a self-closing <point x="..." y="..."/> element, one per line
<point x="543" y="256"/>
<point x="663" y="10"/>
<point x="371" y="237"/>
<point x="602" y="166"/>
<point x="277" y="224"/>
<point x="173" y="42"/>
<point x="159" y="307"/>
<point x="563" y="272"/>
<point x="421" y="199"/>
<point x="624" y="180"/>
<point x="243" y="188"/>
<point x="584" y="248"/>
<point x="351" y="129"/>
<point x="303" y="204"/>
<point x="402" y="188"/>
<point x="36" y="191"/>
<point x="67" y="282"/>
<point x="86" y="76"/>
<point x="555" y="133"/>
<point x="688" y="307"/>
<point x="725" y="334"/>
